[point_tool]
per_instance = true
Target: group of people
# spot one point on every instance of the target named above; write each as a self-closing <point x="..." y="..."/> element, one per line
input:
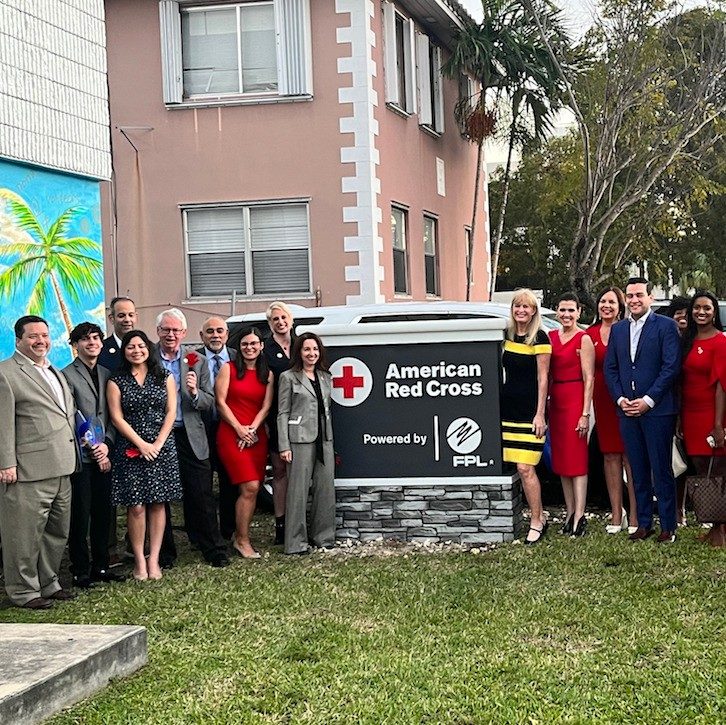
<point x="140" y="424"/>
<point x="648" y="379"/>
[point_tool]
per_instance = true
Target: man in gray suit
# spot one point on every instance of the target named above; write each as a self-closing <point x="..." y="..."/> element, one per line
<point x="38" y="452"/>
<point x="214" y="335"/>
<point x="91" y="486"/>
<point x="194" y="396"/>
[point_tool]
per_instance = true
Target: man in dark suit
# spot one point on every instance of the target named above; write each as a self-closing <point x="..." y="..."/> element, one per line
<point x="91" y="486"/>
<point x="642" y="363"/>
<point x="122" y="315"/>
<point x="194" y="396"/>
<point x="123" y="318"/>
<point x="38" y="452"/>
<point x="214" y="335"/>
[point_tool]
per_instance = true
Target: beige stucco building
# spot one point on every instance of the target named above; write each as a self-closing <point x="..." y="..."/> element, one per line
<point x="296" y="149"/>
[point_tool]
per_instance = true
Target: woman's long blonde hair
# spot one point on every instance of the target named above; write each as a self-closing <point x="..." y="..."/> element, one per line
<point x="528" y="297"/>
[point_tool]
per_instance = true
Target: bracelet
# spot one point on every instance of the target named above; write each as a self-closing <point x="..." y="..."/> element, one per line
<point x="584" y="415"/>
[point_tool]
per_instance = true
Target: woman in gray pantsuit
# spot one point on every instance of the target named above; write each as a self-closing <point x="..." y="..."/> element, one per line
<point x="306" y="445"/>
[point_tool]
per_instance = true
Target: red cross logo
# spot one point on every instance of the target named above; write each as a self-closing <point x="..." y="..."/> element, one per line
<point x="352" y="381"/>
<point x="348" y="381"/>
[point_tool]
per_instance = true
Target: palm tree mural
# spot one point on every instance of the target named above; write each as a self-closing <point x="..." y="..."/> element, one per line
<point x="56" y="264"/>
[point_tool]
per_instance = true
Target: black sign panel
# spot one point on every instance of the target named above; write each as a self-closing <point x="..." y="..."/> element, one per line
<point x="417" y="410"/>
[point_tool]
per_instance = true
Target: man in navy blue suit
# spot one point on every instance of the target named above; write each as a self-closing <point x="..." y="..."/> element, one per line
<point x="641" y="367"/>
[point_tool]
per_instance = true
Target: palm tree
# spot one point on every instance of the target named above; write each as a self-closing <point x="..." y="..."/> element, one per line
<point x="54" y="262"/>
<point x="505" y="55"/>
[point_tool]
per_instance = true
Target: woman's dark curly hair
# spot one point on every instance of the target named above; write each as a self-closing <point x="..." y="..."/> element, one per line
<point x="154" y="367"/>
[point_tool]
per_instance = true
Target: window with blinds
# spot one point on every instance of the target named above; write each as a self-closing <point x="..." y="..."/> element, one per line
<point x="252" y="250"/>
<point x="212" y="50"/>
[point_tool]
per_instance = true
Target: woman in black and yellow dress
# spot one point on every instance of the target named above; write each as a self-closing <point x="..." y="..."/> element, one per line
<point x="525" y="363"/>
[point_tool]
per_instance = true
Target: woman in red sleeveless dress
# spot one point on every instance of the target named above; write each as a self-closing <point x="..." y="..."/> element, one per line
<point x="703" y="393"/>
<point x="571" y="382"/>
<point x="610" y="308"/>
<point x="243" y="393"/>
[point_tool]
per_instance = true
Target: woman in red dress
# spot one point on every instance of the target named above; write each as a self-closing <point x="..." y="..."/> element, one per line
<point x="703" y="406"/>
<point x="571" y="380"/>
<point x="610" y="308"/>
<point x="244" y="393"/>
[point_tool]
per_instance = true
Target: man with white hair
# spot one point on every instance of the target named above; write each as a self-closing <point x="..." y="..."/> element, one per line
<point x="194" y="395"/>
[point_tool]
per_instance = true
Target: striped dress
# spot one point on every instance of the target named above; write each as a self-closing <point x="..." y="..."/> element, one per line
<point x="519" y="398"/>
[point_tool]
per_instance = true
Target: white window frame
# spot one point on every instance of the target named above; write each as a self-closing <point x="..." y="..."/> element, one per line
<point x="435" y="255"/>
<point x="406" y="264"/>
<point x="246" y="207"/>
<point x="293" y="49"/>
<point x="430" y="82"/>
<point x="394" y="99"/>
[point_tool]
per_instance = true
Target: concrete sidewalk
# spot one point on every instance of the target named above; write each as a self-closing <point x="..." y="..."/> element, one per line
<point x="46" y="667"/>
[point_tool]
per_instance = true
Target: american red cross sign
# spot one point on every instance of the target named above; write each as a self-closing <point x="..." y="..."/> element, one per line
<point x="352" y="381"/>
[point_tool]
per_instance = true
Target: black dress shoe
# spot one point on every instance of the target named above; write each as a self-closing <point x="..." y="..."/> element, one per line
<point x="38" y="603"/>
<point x="105" y="575"/>
<point x="568" y="527"/>
<point x="581" y="527"/>
<point x="640" y="534"/>
<point x="62" y="595"/>
<point x="82" y="582"/>
<point x="219" y="562"/>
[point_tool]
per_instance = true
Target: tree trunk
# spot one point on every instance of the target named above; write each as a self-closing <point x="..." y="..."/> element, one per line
<point x="477" y="182"/>
<point x="61" y="303"/>
<point x="581" y="272"/>
<point x="497" y="241"/>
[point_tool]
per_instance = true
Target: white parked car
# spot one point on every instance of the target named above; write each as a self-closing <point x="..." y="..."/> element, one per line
<point x="386" y="312"/>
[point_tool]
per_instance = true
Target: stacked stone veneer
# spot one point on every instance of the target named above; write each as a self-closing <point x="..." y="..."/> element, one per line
<point x="466" y="514"/>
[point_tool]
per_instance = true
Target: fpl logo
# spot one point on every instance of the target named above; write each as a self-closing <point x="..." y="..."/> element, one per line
<point x="352" y="381"/>
<point x="464" y="436"/>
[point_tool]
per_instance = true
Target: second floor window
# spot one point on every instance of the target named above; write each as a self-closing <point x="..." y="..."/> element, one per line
<point x="431" y="261"/>
<point x="399" y="65"/>
<point x="220" y="52"/>
<point x="430" y="84"/>
<point x="229" y="50"/>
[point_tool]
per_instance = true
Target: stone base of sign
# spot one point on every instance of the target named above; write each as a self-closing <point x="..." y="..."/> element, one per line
<point x="46" y="667"/>
<point x="476" y="513"/>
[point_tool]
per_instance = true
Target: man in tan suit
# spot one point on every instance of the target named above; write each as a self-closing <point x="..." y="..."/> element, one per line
<point x="38" y="452"/>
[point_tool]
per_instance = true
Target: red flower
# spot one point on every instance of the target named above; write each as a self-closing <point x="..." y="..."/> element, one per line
<point x="191" y="359"/>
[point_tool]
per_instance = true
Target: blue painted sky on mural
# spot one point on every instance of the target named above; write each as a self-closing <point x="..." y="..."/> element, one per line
<point x="49" y="194"/>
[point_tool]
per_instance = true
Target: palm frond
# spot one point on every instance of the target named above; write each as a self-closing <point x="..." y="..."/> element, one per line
<point x="58" y="228"/>
<point x="24" y="249"/>
<point x="77" y="244"/>
<point x="38" y="302"/>
<point x="16" y="276"/>
<point x="77" y="278"/>
<point x="25" y="218"/>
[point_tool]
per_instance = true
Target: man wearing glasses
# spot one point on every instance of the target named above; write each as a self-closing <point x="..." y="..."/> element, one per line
<point x="214" y="334"/>
<point x="194" y="396"/>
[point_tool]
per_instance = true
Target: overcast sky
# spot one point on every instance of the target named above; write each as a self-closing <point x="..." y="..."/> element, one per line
<point x="578" y="12"/>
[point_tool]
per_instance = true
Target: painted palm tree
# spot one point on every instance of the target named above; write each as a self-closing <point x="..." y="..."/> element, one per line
<point x="57" y="264"/>
<point x="506" y="57"/>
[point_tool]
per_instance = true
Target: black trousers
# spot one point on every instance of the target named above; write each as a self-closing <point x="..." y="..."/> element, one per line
<point x="90" y="510"/>
<point x="200" y="515"/>
<point x="228" y="492"/>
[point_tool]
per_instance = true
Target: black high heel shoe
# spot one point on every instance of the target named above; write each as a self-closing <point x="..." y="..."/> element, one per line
<point x="567" y="528"/>
<point x="581" y="527"/>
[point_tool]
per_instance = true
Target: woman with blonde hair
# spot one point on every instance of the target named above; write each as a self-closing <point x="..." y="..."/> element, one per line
<point x="277" y="353"/>
<point x="525" y="367"/>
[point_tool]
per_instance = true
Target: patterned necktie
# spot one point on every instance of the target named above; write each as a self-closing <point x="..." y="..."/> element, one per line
<point x="217" y="366"/>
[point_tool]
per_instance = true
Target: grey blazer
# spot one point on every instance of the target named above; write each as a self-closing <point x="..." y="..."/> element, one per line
<point x="88" y="401"/>
<point x="36" y="434"/>
<point x="192" y="409"/>
<point x="298" y="408"/>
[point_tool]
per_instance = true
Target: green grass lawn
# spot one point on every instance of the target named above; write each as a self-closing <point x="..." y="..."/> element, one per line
<point x="596" y="629"/>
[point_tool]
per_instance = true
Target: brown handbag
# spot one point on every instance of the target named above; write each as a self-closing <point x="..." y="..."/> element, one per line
<point x="708" y="494"/>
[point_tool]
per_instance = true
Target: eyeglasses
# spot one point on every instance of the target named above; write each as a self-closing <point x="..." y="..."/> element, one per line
<point x="249" y="344"/>
<point x="170" y="331"/>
